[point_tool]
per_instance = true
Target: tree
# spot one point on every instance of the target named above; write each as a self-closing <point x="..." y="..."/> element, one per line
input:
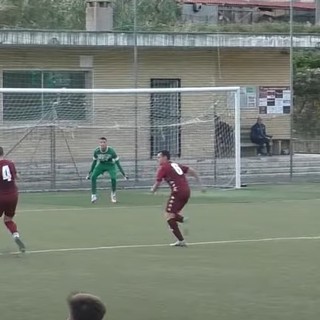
<point x="151" y="15"/>
<point x="42" y="14"/>
<point x="306" y="115"/>
<point x="70" y="14"/>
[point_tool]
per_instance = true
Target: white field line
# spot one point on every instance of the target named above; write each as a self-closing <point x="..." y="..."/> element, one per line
<point x="107" y="207"/>
<point x="137" y="246"/>
<point x="44" y="210"/>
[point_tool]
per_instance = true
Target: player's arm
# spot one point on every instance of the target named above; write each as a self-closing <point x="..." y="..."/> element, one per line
<point x="155" y="186"/>
<point x="93" y="164"/>
<point x="193" y="173"/>
<point x="159" y="178"/>
<point x="14" y="172"/>
<point x="116" y="160"/>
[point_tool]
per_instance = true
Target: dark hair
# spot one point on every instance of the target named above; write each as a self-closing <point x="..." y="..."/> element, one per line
<point x="1" y="152"/>
<point x="103" y="138"/>
<point x="84" y="306"/>
<point x="165" y="153"/>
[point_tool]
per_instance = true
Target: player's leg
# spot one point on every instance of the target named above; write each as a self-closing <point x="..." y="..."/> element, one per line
<point x="180" y="218"/>
<point x="113" y="176"/>
<point x="98" y="170"/>
<point x="9" y="213"/>
<point x="178" y="204"/>
<point x="174" y="206"/>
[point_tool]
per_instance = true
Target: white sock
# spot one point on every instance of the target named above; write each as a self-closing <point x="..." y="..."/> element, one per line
<point x="16" y="235"/>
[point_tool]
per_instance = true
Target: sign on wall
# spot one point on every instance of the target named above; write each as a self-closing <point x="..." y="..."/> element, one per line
<point x="274" y="100"/>
<point x="248" y="97"/>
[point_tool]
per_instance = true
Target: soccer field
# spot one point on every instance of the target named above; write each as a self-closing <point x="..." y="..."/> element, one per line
<point x="253" y="254"/>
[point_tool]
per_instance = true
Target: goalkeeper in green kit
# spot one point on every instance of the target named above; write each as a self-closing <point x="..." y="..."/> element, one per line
<point x="105" y="159"/>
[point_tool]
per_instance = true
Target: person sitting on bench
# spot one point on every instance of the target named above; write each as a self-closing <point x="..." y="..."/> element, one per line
<point x="260" y="137"/>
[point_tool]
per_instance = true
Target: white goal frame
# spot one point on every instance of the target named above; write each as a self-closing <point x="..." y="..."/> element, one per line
<point x="130" y="91"/>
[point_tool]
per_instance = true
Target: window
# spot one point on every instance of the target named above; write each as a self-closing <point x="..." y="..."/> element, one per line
<point x="165" y="117"/>
<point x="37" y="106"/>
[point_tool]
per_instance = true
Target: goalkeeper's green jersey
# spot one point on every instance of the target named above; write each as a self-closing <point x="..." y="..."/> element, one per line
<point x="107" y="157"/>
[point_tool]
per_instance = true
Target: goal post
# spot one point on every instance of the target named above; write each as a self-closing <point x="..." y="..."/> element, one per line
<point x="51" y="133"/>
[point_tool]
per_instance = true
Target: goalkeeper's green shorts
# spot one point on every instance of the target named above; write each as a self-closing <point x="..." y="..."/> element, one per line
<point x="102" y="168"/>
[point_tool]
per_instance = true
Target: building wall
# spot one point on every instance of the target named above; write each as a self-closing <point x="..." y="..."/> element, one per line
<point x="114" y="116"/>
<point x="257" y="68"/>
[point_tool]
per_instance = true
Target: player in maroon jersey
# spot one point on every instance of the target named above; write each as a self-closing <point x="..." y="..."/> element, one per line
<point x="175" y="175"/>
<point x="9" y="197"/>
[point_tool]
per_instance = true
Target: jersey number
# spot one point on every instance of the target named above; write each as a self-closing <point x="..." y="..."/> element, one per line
<point x="177" y="169"/>
<point x="6" y="174"/>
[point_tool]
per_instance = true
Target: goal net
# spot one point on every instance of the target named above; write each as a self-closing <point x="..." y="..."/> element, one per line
<point x="51" y="133"/>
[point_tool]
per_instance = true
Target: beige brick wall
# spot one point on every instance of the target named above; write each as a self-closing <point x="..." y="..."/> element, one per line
<point x="114" y="69"/>
<point x="195" y="69"/>
<point x="257" y="68"/>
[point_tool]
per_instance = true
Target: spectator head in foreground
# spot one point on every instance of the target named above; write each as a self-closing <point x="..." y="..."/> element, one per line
<point x="85" y="306"/>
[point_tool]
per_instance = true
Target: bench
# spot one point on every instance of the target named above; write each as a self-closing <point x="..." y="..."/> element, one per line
<point x="278" y="144"/>
<point x="247" y="147"/>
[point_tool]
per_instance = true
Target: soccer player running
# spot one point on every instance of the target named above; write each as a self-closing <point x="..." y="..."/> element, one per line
<point x="175" y="175"/>
<point x="105" y="159"/>
<point x="9" y="197"/>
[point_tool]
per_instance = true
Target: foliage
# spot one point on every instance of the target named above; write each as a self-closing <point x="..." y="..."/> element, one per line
<point x="152" y="15"/>
<point x="256" y="28"/>
<point x="70" y="14"/>
<point x="42" y="14"/>
<point x="307" y="95"/>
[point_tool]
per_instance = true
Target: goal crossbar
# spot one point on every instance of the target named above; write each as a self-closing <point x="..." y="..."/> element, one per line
<point x="121" y="91"/>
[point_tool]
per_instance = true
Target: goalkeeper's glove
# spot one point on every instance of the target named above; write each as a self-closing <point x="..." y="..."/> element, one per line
<point x="125" y="177"/>
<point x="88" y="177"/>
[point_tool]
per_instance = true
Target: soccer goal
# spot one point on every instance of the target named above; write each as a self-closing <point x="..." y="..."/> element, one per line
<point x="51" y="133"/>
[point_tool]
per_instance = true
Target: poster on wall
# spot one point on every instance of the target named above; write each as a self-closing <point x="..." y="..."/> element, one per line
<point x="248" y="97"/>
<point x="274" y="100"/>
